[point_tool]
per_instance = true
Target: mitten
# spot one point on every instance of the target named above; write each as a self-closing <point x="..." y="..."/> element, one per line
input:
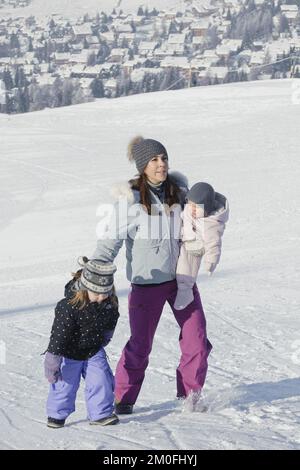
<point x="52" y="365"/>
<point x="210" y="268"/>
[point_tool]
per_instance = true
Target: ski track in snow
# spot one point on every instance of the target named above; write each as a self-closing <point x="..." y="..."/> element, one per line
<point x="50" y="188"/>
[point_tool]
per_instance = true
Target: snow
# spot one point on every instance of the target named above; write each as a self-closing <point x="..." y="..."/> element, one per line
<point x="57" y="165"/>
<point x="72" y="8"/>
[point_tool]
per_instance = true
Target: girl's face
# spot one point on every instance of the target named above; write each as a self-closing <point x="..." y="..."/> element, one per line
<point x="157" y="169"/>
<point x="93" y="297"/>
<point x="196" y="210"/>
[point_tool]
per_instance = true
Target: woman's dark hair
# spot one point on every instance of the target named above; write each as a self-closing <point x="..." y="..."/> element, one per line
<point x="172" y="191"/>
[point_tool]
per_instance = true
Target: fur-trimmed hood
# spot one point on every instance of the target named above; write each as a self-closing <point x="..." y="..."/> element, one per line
<point x="124" y="188"/>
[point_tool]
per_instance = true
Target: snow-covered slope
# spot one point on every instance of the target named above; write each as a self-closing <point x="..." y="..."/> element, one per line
<point x="73" y="8"/>
<point x="57" y="165"/>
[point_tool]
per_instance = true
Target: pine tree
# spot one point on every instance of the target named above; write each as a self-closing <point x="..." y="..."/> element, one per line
<point x="8" y="80"/>
<point x="97" y="88"/>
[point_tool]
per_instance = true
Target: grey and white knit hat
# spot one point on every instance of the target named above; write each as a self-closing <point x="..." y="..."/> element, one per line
<point x="204" y="194"/>
<point x="96" y="277"/>
<point x="141" y="151"/>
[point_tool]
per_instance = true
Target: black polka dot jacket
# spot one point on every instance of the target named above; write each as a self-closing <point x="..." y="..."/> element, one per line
<point x="79" y="334"/>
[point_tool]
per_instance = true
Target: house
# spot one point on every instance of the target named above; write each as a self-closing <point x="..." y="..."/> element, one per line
<point x="285" y="8"/>
<point x="128" y="38"/>
<point x="219" y="73"/>
<point x="295" y="44"/>
<point x="279" y="49"/>
<point x="257" y="58"/>
<point x="29" y="58"/>
<point x="180" y="63"/>
<point x="77" y="71"/>
<point x="110" y="87"/>
<point x="109" y="37"/>
<point x="92" y="71"/>
<point x="61" y="58"/>
<point x="46" y="79"/>
<point x="4" y="47"/>
<point x="130" y="65"/>
<point x="93" y="42"/>
<point x="136" y="20"/>
<point x="80" y="32"/>
<point x="44" y="68"/>
<point x="122" y="28"/>
<point x="186" y="21"/>
<point x="76" y="48"/>
<point x="258" y="45"/>
<point x="169" y="15"/>
<point x="117" y="55"/>
<point x="147" y="47"/>
<point x="197" y="42"/>
<point x="81" y="58"/>
<point x="85" y="84"/>
<point x="176" y="39"/>
<point x="161" y="53"/>
<point x="200" y="27"/>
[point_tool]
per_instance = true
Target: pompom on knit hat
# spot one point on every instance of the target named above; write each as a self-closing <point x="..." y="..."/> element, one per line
<point x="96" y="277"/>
<point x="141" y="151"/>
<point x="202" y="194"/>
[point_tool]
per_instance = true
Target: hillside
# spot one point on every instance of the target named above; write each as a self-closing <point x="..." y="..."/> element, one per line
<point x="57" y="165"/>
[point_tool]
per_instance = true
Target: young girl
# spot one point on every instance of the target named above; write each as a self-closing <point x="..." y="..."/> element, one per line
<point x="204" y="218"/>
<point x="84" y="323"/>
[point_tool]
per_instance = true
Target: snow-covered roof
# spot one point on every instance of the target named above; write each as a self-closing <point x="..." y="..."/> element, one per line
<point x="176" y="38"/>
<point x="45" y="79"/>
<point x="92" y="69"/>
<point x="108" y="36"/>
<point x="181" y="62"/>
<point x="291" y="15"/>
<point x="257" y="58"/>
<point x="86" y="82"/>
<point x="285" y="8"/>
<point x="82" y="30"/>
<point x="110" y="83"/>
<point x="147" y="45"/>
<point x="78" y="68"/>
<point x="137" y="75"/>
<point x="62" y="56"/>
<point x="219" y="72"/>
<point x="202" y="23"/>
<point x="278" y="47"/>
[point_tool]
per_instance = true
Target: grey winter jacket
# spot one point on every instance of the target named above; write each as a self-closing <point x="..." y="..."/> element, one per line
<point x="152" y="241"/>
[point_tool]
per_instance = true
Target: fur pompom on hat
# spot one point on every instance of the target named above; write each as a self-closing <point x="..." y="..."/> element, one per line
<point x="96" y="277"/>
<point x="141" y="151"/>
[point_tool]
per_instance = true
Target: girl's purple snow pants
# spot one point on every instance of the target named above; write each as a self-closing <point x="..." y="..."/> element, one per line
<point x="99" y="388"/>
<point x="145" y="308"/>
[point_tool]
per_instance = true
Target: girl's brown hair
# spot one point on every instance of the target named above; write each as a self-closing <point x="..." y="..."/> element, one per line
<point x="172" y="191"/>
<point x="81" y="299"/>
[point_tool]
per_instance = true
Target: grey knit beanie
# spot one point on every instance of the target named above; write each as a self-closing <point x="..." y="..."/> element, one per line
<point x="96" y="277"/>
<point x="141" y="151"/>
<point x="204" y="194"/>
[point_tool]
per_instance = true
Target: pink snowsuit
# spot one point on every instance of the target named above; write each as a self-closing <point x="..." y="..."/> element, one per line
<point x="200" y="237"/>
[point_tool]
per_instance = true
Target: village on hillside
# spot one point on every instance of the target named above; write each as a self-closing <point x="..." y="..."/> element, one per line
<point x="57" y="61"/>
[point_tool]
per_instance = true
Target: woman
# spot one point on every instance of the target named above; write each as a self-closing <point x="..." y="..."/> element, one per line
<point x="151" y="230"/>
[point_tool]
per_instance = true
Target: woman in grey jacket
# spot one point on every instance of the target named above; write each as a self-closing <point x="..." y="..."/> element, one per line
<point x="148" y="218"/>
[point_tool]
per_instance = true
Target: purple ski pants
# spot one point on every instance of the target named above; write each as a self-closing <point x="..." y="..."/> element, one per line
<point x="99" y="388"/>
<point x="145" y="309"/>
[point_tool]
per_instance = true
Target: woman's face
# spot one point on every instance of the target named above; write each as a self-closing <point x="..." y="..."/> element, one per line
<point x="93" y="297"/>
<point x="157" y="169"/>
